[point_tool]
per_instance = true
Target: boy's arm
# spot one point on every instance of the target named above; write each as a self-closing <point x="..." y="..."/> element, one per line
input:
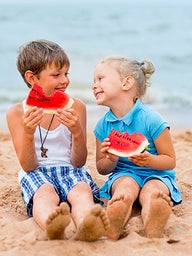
<point x="22" y="128"/>
<point x="79" y="137"/>
<point x="74" y="119"/>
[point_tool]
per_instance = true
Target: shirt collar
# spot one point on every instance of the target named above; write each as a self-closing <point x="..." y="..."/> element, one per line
<point x="127" y="119"/>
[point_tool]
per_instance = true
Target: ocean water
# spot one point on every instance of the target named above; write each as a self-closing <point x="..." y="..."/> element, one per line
<point x="156" y="30"/>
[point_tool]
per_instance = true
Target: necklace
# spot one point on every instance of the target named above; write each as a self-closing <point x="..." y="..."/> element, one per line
<point x="44" y="150"/>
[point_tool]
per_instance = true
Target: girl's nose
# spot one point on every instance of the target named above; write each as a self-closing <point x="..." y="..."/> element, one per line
<point x="94" y="85"/>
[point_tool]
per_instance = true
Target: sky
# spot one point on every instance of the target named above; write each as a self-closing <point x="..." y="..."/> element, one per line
<point x="96" y="1"/>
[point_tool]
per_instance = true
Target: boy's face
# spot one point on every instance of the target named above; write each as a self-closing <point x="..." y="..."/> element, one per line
<point x="53" y="78"/>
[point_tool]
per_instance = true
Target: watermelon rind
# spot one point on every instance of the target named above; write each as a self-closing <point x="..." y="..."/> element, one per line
<point x="54" y="110"/>
<point x="124" y="144"/>
<point x="140" y="149"/>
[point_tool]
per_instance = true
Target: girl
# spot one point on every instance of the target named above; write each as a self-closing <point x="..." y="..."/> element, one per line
<point x="120" y="84"/>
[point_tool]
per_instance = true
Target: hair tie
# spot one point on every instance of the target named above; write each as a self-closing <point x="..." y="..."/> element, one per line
<point x="140" y="63"/>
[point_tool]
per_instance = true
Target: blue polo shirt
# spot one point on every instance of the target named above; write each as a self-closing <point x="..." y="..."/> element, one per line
<point x="140" y="119"/>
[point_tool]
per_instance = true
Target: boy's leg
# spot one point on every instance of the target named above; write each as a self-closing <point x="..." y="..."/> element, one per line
<point x="48" y="215"/>
<point x="90" y="219"/>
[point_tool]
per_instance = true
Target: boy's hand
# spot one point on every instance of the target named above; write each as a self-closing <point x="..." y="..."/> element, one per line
<point x="31" y="118"/>
<point x="69" y="118"/>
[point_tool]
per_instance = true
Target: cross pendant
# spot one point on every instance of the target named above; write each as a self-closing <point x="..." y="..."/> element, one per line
<point x="43" y="152"/>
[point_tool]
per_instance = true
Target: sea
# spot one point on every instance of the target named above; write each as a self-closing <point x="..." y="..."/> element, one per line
<point x="90" y="30"/>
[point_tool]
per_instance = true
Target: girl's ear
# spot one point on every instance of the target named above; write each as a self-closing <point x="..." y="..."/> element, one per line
<point x="30" y="77"/>
<point x="128" y="82"/>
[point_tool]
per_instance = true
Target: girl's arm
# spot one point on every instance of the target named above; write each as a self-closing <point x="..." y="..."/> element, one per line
<point x="165" y="159"/>
<point x="22" y="127"/>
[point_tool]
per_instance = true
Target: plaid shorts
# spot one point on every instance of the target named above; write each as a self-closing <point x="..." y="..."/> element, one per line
<point x="63" y="178"/>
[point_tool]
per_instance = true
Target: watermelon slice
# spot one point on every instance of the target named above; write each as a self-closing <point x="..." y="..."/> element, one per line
<point x="125" y="144"/>
<point x="58" y="99"/>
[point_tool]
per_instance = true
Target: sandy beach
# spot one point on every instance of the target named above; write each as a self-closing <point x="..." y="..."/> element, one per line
<point x="19" y="235"/>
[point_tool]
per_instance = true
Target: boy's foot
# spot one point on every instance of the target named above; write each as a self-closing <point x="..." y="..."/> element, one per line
<point x="118" y="210"/>
<point x="157" y="216"/>
<point x="93" y="226"/>
<point x="58" y="221"/>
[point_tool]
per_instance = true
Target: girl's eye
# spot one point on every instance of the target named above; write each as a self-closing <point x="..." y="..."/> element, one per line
<point x="56" y="75"/>
<point x="67" y="74"/>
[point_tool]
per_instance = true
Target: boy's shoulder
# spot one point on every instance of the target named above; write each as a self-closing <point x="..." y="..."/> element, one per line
<point x="78" y="103"/>
<point x="15" y="109"/>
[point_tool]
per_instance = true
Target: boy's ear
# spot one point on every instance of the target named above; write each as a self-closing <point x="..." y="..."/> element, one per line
<point x="29" y="76"/>
<point x="128" y="82"/>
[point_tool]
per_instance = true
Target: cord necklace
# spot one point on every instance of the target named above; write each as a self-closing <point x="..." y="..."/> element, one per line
<point x="43" y="149"/>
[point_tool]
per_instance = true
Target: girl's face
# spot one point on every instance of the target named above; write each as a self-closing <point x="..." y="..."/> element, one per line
<point x="107" y="84"/>
<point x="52" y="78"/>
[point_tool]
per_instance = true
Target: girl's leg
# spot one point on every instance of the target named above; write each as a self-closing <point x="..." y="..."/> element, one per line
<point x="125" y="191"/>
<point x="156" y="207"/>
<point x="90" y="219"/>
<point x="48" y="215"/>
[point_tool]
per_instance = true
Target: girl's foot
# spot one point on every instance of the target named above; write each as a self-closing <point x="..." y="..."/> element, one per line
<point x="157" y="216"/>
<point x="117" y="211"/>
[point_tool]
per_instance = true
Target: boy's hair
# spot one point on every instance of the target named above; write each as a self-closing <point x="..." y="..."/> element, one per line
<point x="36" y="55"/>
<point x="141" y="71"/>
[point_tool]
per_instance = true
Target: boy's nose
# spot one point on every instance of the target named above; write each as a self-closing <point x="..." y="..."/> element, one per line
<point x="64" y="80"/>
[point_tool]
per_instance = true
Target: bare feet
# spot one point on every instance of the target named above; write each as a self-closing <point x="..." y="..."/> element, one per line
<point x="58" y="221"/>
<point x="94" y="225"/>
<point x="118" y="211"/>
<point x="157" y="215"/>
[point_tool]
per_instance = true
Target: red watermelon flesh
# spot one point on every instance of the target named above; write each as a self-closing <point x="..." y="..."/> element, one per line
<point x="125" y="144"/>
<point x="38" y="98"/>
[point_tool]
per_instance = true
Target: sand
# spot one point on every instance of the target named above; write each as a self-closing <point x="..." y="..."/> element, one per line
<point x="19" y="235"/>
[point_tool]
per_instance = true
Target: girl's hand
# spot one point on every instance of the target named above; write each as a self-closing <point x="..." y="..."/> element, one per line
<point x="104" y="149"/>
<point x="141" y="159"/>
<point x="69" y="118"/>
<point x="31" y="118"/>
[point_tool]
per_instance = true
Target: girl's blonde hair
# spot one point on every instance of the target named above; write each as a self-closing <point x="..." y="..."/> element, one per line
<point x="141" y="71"/>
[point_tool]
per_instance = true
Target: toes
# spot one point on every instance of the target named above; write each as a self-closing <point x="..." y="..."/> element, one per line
<point x="96" y="210"/>
<point x="117" y="198"/>
<point x="64" y="208"/>
<point x="166" y="198"/>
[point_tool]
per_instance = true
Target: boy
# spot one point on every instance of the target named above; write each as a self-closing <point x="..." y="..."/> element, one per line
<point x="55" y="181"/>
